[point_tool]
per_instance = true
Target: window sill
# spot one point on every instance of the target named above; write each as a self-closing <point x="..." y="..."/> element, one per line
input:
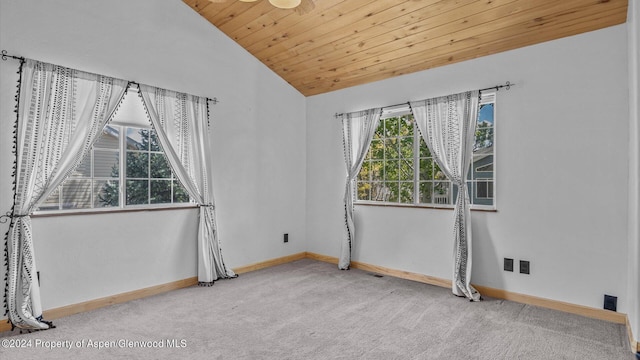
<point x="110" y="211"/>
<point x="393" y="205"/>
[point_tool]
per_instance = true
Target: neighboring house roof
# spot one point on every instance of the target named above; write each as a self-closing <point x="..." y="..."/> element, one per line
<point x="483" y="153"/>
<point x="115" y="132"/>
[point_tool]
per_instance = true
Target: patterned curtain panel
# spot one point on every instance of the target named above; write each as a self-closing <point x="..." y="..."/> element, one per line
<point x="447" y="125"/>
<point x="182" y="124"/>
<point x="61" y="112"/>
<point x="357" y="131"/>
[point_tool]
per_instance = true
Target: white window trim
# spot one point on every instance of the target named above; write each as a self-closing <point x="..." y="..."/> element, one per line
<point x="488" y="97"/>
<point x="112" y="210"/>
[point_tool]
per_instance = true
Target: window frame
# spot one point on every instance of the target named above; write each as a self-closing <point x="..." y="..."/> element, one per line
<point x="401" y="110"/>
<point x="122" y="126"/>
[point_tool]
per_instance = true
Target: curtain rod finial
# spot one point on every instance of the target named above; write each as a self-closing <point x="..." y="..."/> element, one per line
<point x="6" y="56"/>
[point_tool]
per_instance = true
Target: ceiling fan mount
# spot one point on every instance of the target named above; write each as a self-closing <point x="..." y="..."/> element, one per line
<point x="300" y="6"/>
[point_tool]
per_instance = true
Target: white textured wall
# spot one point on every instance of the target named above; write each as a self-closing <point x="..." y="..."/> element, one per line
<point x="633" y="24"/>
<point x="562" y="179"/>
<point x="258" y="133"/>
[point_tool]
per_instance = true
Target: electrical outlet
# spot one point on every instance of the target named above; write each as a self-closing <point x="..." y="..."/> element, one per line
<point x="508" y="264"/>
<point x="610" y="302"/>
<point x="286" y="238"/>
<point x="524" y="267"/>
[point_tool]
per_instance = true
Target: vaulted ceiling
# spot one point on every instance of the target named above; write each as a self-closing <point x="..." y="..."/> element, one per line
<point x="334" y="44"/>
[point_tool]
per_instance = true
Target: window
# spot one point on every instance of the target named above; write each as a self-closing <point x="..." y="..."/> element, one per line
<point x="388" y="172"/>
<point x="125" y="168"/>
<point x="482" y="174"/>
<point x="399" y="167"/>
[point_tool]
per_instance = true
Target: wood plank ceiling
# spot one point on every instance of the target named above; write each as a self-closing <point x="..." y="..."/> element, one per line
<point x="343" y="43"/>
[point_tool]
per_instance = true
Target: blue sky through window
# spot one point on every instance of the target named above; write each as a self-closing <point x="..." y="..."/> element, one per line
<point x="486" y="114"/>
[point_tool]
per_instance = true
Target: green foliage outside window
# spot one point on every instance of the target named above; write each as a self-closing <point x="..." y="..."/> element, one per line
<point x="388" y="171"/>
<point x="148" y="176"/>
<point x="397" y="170"/>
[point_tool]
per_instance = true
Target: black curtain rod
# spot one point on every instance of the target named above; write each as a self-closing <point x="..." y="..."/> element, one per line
<point x="506" y="85"/>
<point x="5" y="57"/>
<point x="213" y="100"/>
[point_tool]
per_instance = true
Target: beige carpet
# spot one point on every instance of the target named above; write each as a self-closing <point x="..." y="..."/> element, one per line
<point x="312" y="310"/>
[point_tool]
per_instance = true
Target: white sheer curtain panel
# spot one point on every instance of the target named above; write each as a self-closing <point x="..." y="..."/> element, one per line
<point x="357" y="131"/>
<point x="61" y="112"/>
<point x="447" y="125"/>
<point x="182" y="125"/>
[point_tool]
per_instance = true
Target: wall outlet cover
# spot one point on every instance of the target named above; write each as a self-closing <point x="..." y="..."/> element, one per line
<point x="524" y="267"/>
<point x="286" y="238"/>
<point x="508" y="264"/>
<point x="611" y="302"/>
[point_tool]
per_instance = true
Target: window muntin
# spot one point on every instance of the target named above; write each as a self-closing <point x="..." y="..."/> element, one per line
<point x="125" y="168"/>
<point x="148" y="176"/>
<point x="400" y="169"/>
<point x="387" y="173"/>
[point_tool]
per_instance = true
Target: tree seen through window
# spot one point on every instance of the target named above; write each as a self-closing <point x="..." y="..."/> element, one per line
<point x="399" y="167"/>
